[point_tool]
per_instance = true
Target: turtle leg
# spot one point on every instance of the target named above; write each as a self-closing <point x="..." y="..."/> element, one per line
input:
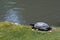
<point x="34" y="28"/>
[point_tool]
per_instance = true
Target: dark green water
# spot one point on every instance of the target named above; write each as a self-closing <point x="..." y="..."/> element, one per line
<point x="30" y="11"/>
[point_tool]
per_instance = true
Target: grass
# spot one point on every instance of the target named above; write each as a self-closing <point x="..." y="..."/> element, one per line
<point x="10" y="31"/>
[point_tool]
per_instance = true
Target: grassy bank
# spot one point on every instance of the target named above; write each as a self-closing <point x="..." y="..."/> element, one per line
<point x="10" y="31"/>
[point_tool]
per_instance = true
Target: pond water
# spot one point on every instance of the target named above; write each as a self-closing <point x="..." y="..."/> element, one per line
<point x="30" y="11"/>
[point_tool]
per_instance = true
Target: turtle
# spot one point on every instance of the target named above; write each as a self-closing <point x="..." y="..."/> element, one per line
<point x="41" y="26"/>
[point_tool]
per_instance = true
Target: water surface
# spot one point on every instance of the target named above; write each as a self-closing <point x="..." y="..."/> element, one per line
<point x="30" y="11"/>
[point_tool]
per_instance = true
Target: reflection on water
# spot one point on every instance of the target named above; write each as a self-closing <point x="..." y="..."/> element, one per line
<point x="12" y="16"/>
<point x="12" y="3"/>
